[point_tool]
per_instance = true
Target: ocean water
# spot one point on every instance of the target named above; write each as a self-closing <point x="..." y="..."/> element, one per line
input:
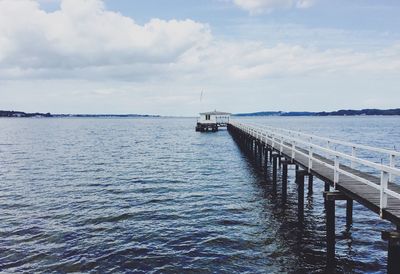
<point x="154" y="196"/>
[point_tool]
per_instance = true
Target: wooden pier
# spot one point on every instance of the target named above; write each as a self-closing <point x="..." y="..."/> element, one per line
<point x="342" y="174"/>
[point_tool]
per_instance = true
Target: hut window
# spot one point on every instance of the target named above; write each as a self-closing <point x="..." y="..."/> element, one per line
<point x="207" y="117"/>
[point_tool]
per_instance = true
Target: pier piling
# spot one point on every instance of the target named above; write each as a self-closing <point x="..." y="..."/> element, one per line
<point x="284" y="180"/>
<point x="393" y="262"/>
<point x="300" y="192"/>
<point x="349" y="213"/>
<point x="330" y="231"/>
<point x="274" y="171"/>
<point x="310" y="184"/>
<point x="330" y="198"/>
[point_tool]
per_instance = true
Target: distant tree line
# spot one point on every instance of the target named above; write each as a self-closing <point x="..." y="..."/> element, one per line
<point x="5" y="113"/>
<point x="342" y="112"/>
<point x="351" y="112"/>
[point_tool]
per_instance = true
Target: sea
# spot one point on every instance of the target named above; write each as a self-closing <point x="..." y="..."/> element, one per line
<point x="151" y="195"/>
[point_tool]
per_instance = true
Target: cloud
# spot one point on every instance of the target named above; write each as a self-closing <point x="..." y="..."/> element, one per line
<point x="84" y="40"/>
<point x="256" y="60"/>
<point x="83" y="34"/>
<point x="260" y="6"/>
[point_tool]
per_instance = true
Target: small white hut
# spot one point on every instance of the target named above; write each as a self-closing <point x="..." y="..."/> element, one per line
<point x="210" y="121"/>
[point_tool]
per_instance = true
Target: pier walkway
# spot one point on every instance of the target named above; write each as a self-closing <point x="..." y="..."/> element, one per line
<point x="350" y="176"/>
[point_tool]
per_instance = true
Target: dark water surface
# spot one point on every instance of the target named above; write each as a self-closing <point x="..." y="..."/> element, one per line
<point x="154" y="196"/>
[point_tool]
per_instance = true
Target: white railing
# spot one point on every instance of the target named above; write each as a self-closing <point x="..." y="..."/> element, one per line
<point x="328" y="142"/>
<point x="297" y="143"/>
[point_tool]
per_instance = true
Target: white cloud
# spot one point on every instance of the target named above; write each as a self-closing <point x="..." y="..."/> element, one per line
<point x="84" y="34"/>
<point x="83" y="40"/>
<point x="86" y="58"/>
<point x="260" y="6"/>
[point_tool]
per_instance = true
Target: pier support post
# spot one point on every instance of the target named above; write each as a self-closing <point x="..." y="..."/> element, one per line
<point x="330" y="228"/>
<point x="263" y="153"/>
<point x="300" y="192"/>
<point x="327" y="187"/>
<point x="393" y="261"/>
<point x="310" y="184"/>
<point x="284" y="180"/>
<point x="349" y="213"/>
<point x="330" y="231"/>
<point x="255" y="149"/>
<point x="274" y="171"/>
<point x="330" y="198"/>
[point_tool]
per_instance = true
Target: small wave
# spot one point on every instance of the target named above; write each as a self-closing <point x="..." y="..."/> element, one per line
<point x="109" y="219"/>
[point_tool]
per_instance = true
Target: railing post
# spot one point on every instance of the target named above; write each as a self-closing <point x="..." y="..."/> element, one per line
<point x="336" y="172"/>
<point x="353" y="153"/>
<point x="392" y="165"/>
<point x="383" y="196"/>
<point x="310" y="156"/>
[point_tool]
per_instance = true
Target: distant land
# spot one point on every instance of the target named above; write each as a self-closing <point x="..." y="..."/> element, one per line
<point x="6" y="113"/>
<point x="343" y="112"/>
<point x="20" y="114"/>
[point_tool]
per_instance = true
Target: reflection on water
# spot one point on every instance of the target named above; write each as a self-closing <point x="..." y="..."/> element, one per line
<point x="152" y="195"/>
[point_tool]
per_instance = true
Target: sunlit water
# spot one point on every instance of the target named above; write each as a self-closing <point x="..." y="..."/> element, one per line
<point x="154" y="196"/>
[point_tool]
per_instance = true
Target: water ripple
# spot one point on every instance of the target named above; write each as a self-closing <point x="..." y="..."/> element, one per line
<point x="154" y="196"/>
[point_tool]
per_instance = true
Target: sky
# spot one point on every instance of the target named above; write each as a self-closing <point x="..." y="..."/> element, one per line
<point x="159" y="56"/>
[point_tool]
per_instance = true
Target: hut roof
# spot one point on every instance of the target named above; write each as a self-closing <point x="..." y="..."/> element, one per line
<point x="215" y="113"/>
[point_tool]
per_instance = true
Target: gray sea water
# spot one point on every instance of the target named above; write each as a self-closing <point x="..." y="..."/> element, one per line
<point x="154" y="196"/>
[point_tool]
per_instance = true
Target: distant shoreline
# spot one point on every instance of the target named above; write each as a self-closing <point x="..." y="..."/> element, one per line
<point x="21" y="114"/>
<point x="349" y="112"/>
<point x="343" y="112"/>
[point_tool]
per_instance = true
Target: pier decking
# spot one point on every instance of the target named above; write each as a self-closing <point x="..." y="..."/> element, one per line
<point x="340" y="171"/>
